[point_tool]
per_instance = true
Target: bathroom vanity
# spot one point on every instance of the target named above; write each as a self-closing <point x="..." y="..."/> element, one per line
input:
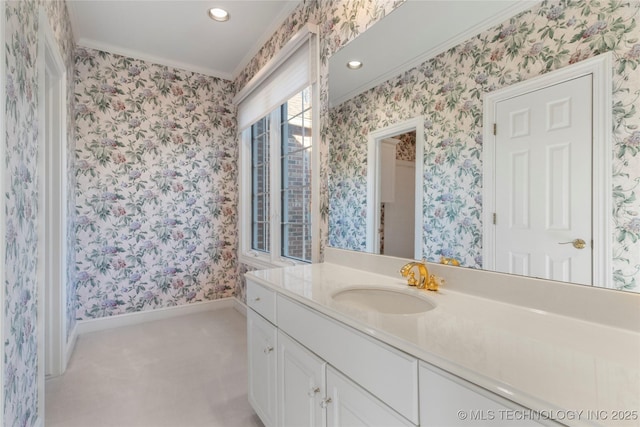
<point x="347" y="342"/>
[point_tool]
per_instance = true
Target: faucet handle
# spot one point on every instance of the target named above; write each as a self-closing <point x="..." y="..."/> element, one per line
<point x="412" y="281"/>
<point x="432" y="283"/>
<point x="449" y="261"/>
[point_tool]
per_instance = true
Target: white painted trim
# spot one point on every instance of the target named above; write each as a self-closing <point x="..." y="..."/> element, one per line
<point x="316" y="215"/>
<point x="600" y="67"/>
<point x="131" y="53"/>
<point x="3" y="191"/>
<point x="38" y="422"/>
<point x="246" y="255"/>
<point x="128" y="319"/>
<point x="51" y="300"/>
<point x="240" y="307"/>
<point x="41" y="250"/>
<point x="71" y="345"/>
<point x="516" y="8"/>
<point x="298" y="39"/>
<point x="373" y="180"/>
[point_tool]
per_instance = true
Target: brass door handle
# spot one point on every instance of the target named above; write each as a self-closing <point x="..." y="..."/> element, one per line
<point x="577" y="243"/>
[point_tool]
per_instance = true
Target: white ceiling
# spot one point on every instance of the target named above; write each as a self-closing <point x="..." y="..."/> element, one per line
<point x="179" y="33"/>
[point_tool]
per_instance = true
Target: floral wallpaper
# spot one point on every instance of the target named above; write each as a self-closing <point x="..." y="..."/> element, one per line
<point x="19" y="314"/>
<point x="156" y="196"/>
<point x="447" y="90"/>
<point x="406" y="148"/>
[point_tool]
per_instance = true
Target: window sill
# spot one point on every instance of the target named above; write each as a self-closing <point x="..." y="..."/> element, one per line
<point x="260" y="261"/>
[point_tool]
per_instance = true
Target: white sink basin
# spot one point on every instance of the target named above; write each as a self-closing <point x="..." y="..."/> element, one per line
<point x="386" y="301"/>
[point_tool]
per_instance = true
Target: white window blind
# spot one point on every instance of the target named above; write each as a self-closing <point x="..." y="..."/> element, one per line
<point x="290" y="71"/>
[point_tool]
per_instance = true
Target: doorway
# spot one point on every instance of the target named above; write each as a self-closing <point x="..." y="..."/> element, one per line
<point x="52" y="219"/>
<point x="547" y="174"/>
<point x="396" y="229"/>
<point x="394" y="194"/>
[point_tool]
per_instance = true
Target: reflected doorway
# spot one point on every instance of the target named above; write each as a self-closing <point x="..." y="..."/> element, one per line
<point x="397" y="195"/>
<point x="395" y="190"/>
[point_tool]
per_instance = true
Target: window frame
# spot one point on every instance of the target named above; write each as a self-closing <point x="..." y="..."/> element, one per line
<point x="293" y="68"/>
<point x="273" y="258"/>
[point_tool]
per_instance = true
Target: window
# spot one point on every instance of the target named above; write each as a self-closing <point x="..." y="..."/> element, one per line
<point x="279" y="188"/>
<point x="286" y="231"/>
<point x="295" y="160"/>
<point x="260" y="194"/>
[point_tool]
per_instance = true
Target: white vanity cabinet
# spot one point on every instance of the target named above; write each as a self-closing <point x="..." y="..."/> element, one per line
<point x="446" y="400"/>
<point x="261" y="349"/>
<point x="308" y="369"/>
<point x="301" y="385"/>
<point x="350" y="405"/>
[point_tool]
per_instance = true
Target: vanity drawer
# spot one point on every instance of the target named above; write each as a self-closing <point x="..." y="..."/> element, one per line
<point x="262" y="300"/>
<point x="385" y="372"/>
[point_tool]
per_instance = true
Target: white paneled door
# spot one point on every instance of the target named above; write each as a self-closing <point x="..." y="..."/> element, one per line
<point x="543" y="183"/>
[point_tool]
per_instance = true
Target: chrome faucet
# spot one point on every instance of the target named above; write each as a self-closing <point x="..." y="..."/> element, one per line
<point x="424" y="281"/>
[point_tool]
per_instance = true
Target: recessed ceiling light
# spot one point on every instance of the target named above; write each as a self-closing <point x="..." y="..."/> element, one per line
<point x="354" y="65"/>
<point x="218" y="14"/>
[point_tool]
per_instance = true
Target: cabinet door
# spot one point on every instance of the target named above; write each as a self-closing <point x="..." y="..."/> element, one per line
<point x="300" y="384"/>
<point x="261" y="348"/>
<point x="350" y="405"/>
<point x="446" y="400"/>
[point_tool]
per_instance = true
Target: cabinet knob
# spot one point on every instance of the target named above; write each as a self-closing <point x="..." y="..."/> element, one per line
<point x="268" y="350"/>
<point x="325" y="402"/>
<point x="256" y="299"/>
<point x="313" y="391"/>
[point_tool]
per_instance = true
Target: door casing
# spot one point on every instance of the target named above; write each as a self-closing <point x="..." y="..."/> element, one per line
<point x="52" y="114"/>
<point x="373" y="181"/>
<point x="3" y="176"/>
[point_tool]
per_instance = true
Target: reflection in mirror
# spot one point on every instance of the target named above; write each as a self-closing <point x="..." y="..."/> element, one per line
<point x="396" y="195"/>
<point x="447" y="92"/>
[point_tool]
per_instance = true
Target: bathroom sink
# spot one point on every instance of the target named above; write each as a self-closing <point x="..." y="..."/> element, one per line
<point x="387" y="301"/>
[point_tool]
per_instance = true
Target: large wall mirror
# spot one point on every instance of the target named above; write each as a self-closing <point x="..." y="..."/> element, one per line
<point x="413" y="121"/>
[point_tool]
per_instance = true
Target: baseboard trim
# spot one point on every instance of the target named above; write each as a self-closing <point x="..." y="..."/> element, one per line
<point x="103" y="323"/>
<point x="71" y="345"/>
<point x="240" y="306"/>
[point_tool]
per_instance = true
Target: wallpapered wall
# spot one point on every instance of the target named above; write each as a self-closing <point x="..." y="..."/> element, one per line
<point x="21" y="199"/>
<point x="156" y="195"/>
<point x="448" y="90"/>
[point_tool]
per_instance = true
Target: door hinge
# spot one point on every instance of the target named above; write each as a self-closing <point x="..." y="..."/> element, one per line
<point x="495" y="128"/>
<point x="494" y="218"/>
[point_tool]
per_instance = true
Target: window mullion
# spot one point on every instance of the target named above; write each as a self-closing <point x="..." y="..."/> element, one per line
<point x="247" y="203"/>
<point x="276" y="186"/>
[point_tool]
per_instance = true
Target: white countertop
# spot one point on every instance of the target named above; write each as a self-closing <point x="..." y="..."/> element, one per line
<point x="541" y="360"/>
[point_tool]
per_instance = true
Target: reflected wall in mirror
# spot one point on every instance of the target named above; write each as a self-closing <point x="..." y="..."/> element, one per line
<point x="448" y="90"/>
